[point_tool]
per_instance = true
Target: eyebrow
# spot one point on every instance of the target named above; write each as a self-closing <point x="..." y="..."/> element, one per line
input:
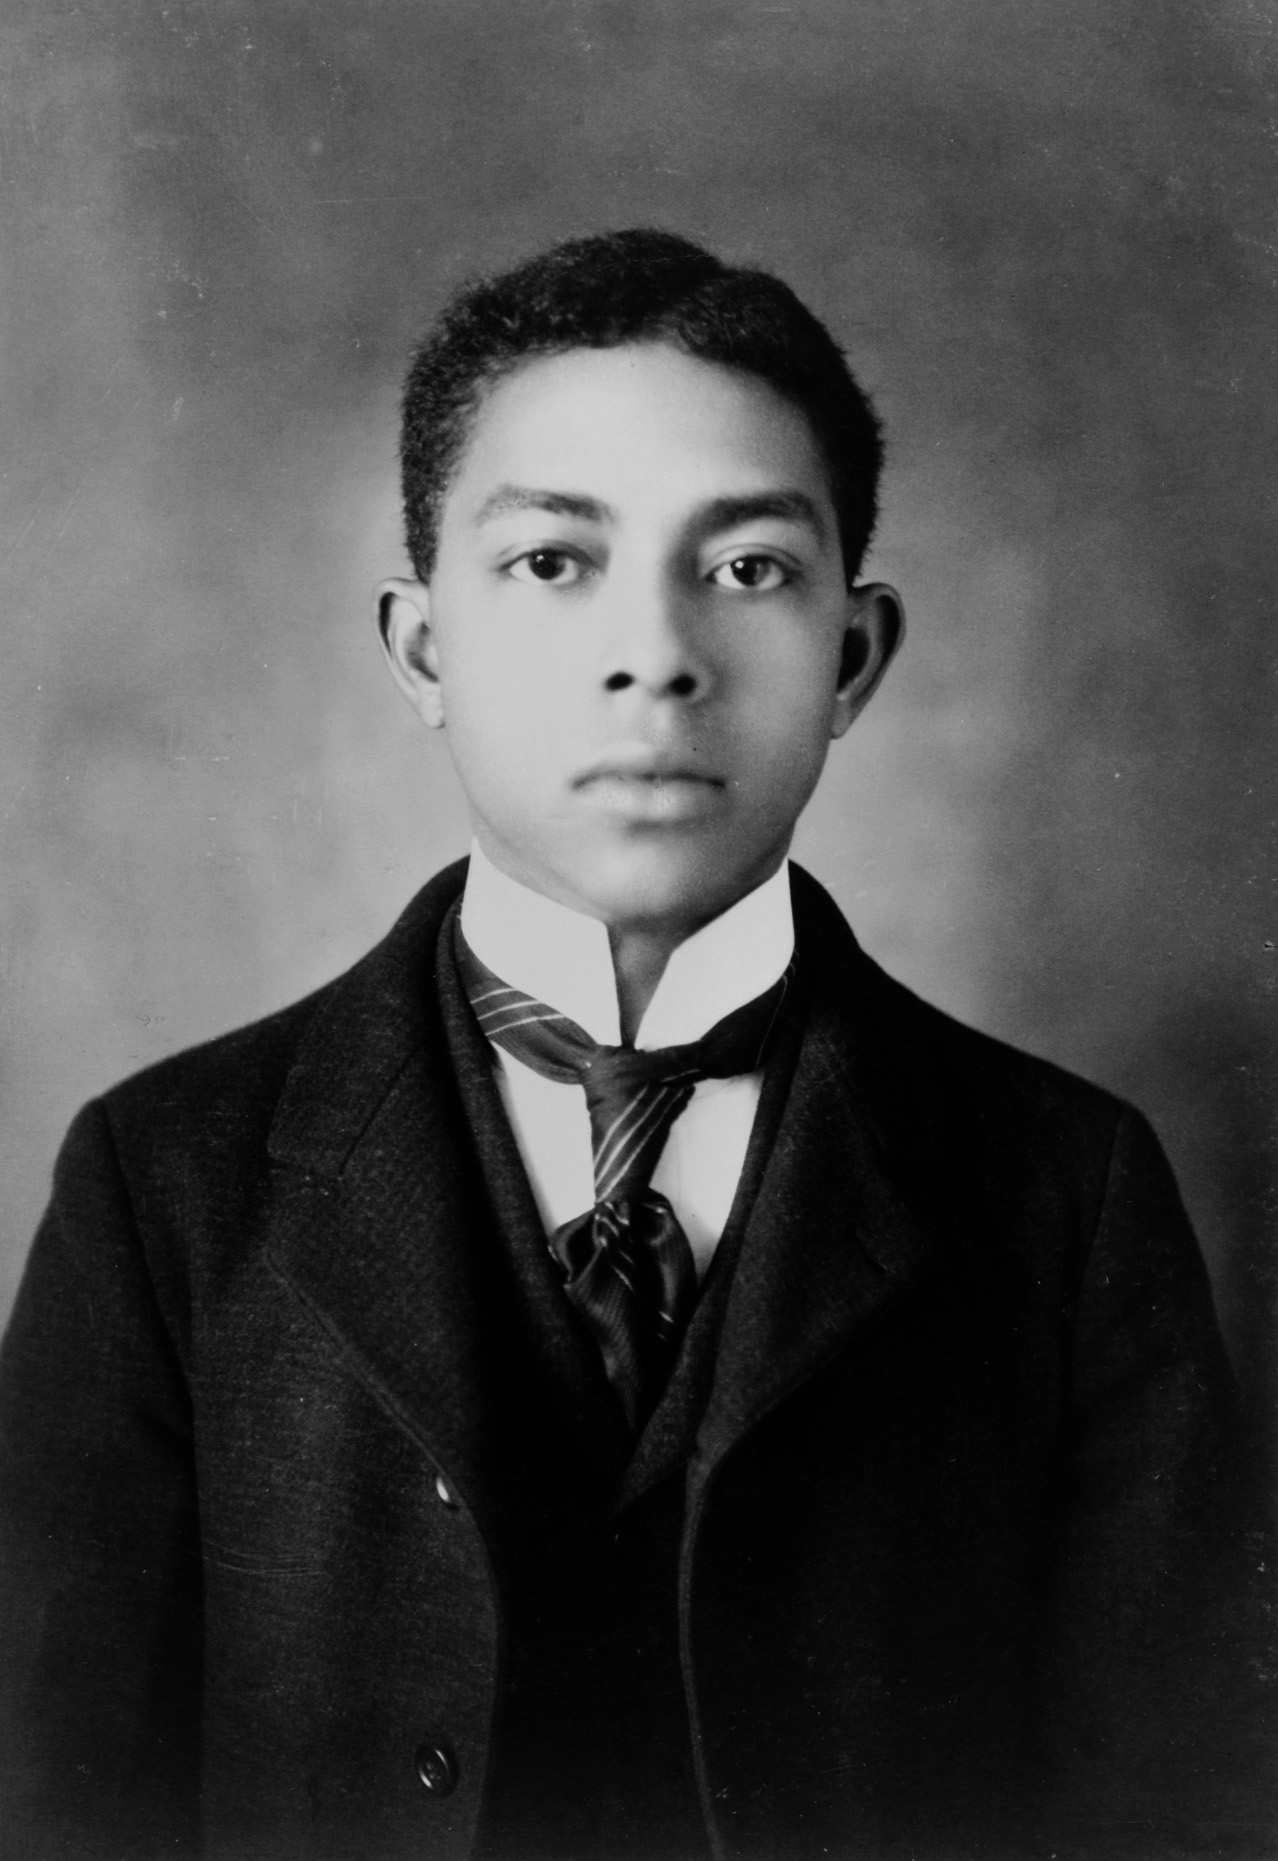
<point x="791" y="506"/>
<point x="558" y="503"/>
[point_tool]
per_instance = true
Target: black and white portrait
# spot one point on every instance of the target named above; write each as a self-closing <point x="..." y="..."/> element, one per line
<point x="637" y="955"/>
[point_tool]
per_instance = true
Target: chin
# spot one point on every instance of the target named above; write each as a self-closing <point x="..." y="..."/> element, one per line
<point x="666" y="887"/>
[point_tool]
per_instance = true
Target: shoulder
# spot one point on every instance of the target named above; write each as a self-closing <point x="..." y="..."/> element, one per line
<point x="938" y="1064"/>
<point x="220" y="1099"/>
<point x="1024" y="1134"/>
<point x="1053" y="1190"/>
<point x="219" y="1084"/>
<point x="1032" y="1152"/>
<point x="992" y="1080"/>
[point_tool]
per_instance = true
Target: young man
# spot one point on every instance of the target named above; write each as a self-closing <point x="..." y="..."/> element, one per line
<point x="614" y="1374"/>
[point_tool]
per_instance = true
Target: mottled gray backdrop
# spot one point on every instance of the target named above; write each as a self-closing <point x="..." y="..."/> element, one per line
<point x="1045" y="231"/>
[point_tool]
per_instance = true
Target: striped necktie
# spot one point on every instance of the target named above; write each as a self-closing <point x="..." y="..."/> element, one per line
<point x="626" y="1263"/>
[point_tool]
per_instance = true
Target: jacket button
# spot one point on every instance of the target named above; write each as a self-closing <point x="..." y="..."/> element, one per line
<point x="444" y="1493"/>
<point x="437" y="1768"/>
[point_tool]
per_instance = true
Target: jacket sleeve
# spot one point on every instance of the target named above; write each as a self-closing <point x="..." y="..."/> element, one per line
<point x="1154" y="1713"/>
<point x="99" y="1563"/>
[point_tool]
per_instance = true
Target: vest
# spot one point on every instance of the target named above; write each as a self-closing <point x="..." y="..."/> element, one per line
<point x="593" y="1753"/>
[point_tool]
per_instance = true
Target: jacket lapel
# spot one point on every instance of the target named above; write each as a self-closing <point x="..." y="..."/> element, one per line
<point x="841" y="1228"/>
<point x="384" y="1230"/>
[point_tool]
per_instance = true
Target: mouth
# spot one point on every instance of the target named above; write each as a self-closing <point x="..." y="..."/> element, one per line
<point x="644" y="786"/>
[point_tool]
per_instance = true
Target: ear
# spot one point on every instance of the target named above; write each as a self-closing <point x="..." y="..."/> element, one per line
<point x="875" y="628"/>
<point x="403" y="623"/>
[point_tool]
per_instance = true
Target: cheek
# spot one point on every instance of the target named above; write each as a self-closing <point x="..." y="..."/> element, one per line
<point x="792" y="692"/>
<point x="500" y="664"/>
<point x="791" y="714"/>
<point x="500" y="722"/>
<point x="481" y="677"/>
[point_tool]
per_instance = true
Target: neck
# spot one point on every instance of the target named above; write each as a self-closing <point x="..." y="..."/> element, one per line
<point x="611" y="976"/>
<point x="639" y="959"/>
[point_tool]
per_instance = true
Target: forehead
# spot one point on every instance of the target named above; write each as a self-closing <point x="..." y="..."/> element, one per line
<point x="641" y="424"/>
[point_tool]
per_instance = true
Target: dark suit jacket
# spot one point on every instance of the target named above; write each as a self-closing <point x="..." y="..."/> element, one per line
<point x="958" y="1562"/>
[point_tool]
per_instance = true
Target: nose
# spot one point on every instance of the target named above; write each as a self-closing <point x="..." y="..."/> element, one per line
<point x="653" y="648"/>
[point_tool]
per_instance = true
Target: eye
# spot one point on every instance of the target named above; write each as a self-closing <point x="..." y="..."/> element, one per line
<point x="553" y="566"/>
<point x="758" y="574"/>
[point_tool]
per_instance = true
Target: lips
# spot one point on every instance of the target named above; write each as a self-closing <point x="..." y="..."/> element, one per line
<point x="646" y="786"/>
<point x="640" y="763"/>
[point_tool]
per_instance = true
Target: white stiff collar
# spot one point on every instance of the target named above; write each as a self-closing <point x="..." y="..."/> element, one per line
<point x="563" y="958"/>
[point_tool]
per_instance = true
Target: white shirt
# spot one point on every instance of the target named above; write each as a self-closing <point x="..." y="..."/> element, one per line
<point x="563" y="958"/>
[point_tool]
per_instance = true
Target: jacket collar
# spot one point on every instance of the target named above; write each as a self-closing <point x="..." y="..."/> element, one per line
<point x="370" y="1025"/>
<point x="387" y="1232"/>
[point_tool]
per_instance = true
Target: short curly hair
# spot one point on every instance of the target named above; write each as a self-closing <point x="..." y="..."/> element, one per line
<point x="636" y="285"/>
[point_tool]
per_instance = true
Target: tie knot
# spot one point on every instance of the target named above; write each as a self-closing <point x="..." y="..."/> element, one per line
<point x="633" y="1067"/>
<point x="633" y="1095"/>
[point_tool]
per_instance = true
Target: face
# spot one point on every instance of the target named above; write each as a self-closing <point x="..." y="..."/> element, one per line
<point x="637" y="633"/>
